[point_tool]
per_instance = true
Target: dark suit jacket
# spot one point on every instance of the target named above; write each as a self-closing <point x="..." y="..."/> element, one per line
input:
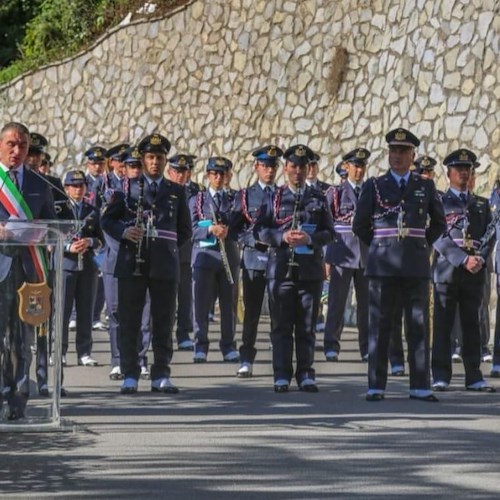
<point x="249" y="203"/>
<point x="450" y="252"/>
<point x="377" y="209"/>
<point x="170" y="214"/>
<point x="313" y="210"/>
<point x="38" y="197"/>
<point x="346" y="249"/>
<point x="191" y="189"/>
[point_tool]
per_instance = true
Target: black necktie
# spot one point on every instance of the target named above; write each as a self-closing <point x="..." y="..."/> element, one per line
<point x="357" y="190"/>
<point x="217" y="200"/>
<point x="463" y="198"/>
<point x="402" y="185"/>
<point x="267" y="190"/>
<point x="13" y="177"/>
<point x="154" y="188"/>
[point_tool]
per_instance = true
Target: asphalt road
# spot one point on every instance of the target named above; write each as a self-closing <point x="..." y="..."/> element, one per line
<point x="225" y="438"/>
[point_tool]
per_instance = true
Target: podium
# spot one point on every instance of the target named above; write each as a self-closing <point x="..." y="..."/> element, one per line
<point x="31" y="255"/>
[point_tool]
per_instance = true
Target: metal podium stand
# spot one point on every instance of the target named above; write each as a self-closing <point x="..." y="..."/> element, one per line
<point x="49" y="236"/>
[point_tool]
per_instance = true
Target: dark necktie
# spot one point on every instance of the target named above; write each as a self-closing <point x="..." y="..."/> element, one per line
<point x="217" y="200"/>
<point x="267" y="190"/>
<point x="154" y="188"/>
<point x="357" y="190"/>
<point x="463" y="198"/>
<point x="13" y="177"/>
<point x="402" y="185"/>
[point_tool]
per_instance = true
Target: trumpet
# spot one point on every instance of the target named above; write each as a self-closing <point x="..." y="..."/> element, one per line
<point x="223" y="253"/>
<point x="292" y="266"/>
<point x="139" y="223"/>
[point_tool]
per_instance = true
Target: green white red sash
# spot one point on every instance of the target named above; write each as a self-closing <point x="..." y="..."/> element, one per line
<point x="14" y="203"/>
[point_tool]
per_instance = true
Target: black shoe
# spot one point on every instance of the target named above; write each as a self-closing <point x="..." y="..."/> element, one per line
<point x="374" y="397"/>
<point x="430" y="398"/>
<point x="483" y="388"/>
<point x="398" y="373"/>
<point x="309" y="388"/>
<point x="15" y="414"/>
<point x="43" y="390"/>
<point x="495" y="374"/>
<point x="281" y="387"/>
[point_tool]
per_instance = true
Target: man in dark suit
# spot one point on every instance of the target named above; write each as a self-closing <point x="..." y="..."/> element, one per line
<point x="399" y="216"/>
<point x="179" y="169"/>
<point x="80" y="269"/>
<point x="151" y="221"/>
<point x="249" y="204"/>
<point x="23" y="195"/>
<point x="346" y="256"/>
<point x="459" y="274"/>
<point x="210" y="216"/>
<point x="296" y="228"/>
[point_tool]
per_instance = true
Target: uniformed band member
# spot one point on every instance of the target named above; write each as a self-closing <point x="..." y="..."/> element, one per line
<point x="341" y="172"/>
<point x="399" y="216"/>
<point x="346" y="256"/>
<point x="459" y="274"/>
<point x="179" y="170"/>
<point x="249" y="204"/>
<point x="151" y="221"/>
<point x="80" y="269"/>
<point x="296" y="228"/>
<point x="113" y="180"/>
<point x="133" y="168"/>
<point x="424" y="165"/>
<point x="23" y="195"/>
<point x="495" y="208"/>
<point x="312" y="175"/>
<point x="211" y="211"/>
<point x="96" y="162"/>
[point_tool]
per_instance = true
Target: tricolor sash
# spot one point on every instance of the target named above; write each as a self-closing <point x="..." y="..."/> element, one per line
<point x="16" y="206"/>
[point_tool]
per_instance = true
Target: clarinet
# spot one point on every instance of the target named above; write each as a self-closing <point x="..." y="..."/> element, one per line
<point x="490" y="231"/>
<point x="223" y="253"/>
<point x="139" y="223"/>
<point x="292" y="266"/>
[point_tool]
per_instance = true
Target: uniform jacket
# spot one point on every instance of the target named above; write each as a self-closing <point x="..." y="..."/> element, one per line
<point x="313" y="210"/>
<point x="191" y="189"/>
<point x="95" y="190"/>
<point x="379" y="207"/>
<point x="90" y="228"/>
<point x="171" y="218"/>
<point x="249" y="204"/>
<point x="346" y="249"/>
<point x="495" y="209"/>
<point x="321" y="186"/>
<point x="451" y="250"/>
<point x="201" y="210"/>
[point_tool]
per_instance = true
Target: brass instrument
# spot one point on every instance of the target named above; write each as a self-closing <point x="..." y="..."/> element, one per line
<point x="139" y="223"/>
<point x="223" y="253"/>
<point x="292" y="266"/>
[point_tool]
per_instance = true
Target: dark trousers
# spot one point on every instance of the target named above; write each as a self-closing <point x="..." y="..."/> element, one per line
<point x="16" y="339"/>
<point x="338" y="291"/>
<point x="79" y="287"/>
<point x="396" y="349"/>
<point x="414" y="294"/>
<point x="185" y="303"/>
<point x="496" y="341"/>
<point x="98" y="299"/>
<point x="294" y="310"/>
<point x="132" y="292"/>
<point x="254" y="288"/>
<point x="207" y="283"/>
<point x="468" y="297"/>
<point x="111" y="294"/>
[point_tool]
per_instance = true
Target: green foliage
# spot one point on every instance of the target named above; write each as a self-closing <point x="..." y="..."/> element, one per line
<point x="14" y="14"/>
<point x="48" y="30"/>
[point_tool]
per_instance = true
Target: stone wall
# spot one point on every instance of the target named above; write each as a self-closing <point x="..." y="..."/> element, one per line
<point x="225" y="76"/>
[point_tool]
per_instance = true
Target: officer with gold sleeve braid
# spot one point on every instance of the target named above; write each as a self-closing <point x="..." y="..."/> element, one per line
<point x="459" y="273"/>
<point x="399" y="215"/>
